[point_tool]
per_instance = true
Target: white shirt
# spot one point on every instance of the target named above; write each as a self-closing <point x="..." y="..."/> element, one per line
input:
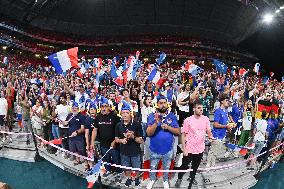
<point x="247" y="120"/>
<point x="182" y="96"/>
<point x="62" y="113"/>
<point x="261" y="126"/>
<point x="3" y="106"/>
<point x="146" y="111"/>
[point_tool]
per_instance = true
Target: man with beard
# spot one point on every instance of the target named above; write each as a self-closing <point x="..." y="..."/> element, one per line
<point x="104" y="129"/>
<point x="161" y="128"/>
<point x="193" y="135"/>
<point x="62" y="110"/>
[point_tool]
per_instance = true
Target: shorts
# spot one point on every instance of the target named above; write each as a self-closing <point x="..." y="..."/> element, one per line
<point x="77" y="146"/>
<point x="258" y="147"/>
<point x="131" y="161"/>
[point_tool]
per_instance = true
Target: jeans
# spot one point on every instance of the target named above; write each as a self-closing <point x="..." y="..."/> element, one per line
<point x="131" y="161"/>
<point x="166" y="160"/>
<point x="55" y="131"/>
<point x="27" y="128"/>
<point x="111" y="157"/>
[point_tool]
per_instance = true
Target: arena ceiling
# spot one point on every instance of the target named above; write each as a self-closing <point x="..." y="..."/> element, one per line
<point x="223" y="20"/>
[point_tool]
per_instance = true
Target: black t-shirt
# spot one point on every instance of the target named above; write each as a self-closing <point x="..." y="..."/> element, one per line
<point x="89" y="124"/>
<point x="106" y="128"/>
<point x="131" y="148"/>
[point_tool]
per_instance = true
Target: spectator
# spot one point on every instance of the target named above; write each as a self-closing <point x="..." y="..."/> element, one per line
<point x="161" y="128"/>
<point x="128" y="134"/>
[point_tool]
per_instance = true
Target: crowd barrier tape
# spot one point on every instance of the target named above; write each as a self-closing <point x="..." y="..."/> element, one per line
<point x="231" y="165"/>
<point x="13" y="133"/>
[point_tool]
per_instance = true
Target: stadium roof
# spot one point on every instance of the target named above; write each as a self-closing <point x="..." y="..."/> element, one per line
<point x="223" y="20"/>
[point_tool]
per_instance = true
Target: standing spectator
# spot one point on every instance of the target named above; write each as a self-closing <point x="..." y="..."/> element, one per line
<point x="62" y="110"/>
<point x="25" y="104"/>
<point x="146" y="110"/>
<point x="193" y="135"/>
<point x="220" y="126"/>
<point x="3" y="113"/>
<point x="161" y="128"/>
<point x="104" y="131"/>
<point x="46" y="118"/>
<point x="75" y="121"/>
<point x="89" y="126"/>
<point x="128" y="134"/>
<point x="260" y="136"/>
<point x="36" y="114"/>
<point x="248" y="119"/>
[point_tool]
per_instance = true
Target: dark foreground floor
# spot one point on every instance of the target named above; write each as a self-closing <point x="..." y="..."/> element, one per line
<point x="44" y="175"/>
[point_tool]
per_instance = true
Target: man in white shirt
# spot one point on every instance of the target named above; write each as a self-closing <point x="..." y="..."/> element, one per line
<point x="62" y="110"/>
<point x="3" y="113"/>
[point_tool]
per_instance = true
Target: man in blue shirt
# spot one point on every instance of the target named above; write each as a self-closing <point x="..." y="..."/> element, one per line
<point x="76" y="132"/>
<point x="220" y="126"/>
<point x="161" y="128"/>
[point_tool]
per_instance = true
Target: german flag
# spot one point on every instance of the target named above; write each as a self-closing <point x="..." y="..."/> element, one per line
<point x="268" y="106"/>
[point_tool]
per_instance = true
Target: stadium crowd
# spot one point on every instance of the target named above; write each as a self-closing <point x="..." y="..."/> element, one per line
<point x="247" y="110"/>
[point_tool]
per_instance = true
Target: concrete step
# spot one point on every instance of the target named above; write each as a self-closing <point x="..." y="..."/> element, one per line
<point x="19" y="155"/>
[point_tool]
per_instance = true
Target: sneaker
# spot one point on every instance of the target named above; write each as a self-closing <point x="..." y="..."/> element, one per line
<point x="128" y="182"/>
<point x="178" y="183"/>
<point x="28" y="142"/>
<point x="150" y="184"/>
<point x="10" y="140"/>
<point x="137" y="182"/>
<point x="166" y="185"/>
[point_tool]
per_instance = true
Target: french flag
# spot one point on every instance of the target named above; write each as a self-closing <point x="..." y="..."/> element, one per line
<point x="155" y="77"/>
<point x="256" y="68"/>
<point x="82" y="71"/>
<point x="116" y="75"/>
<point x="192" y="68"/>
<point x="64" y="60"/>
<point x="130" y="74"/>
<point x="98" y="63"/>
<point x="243" y="72"/>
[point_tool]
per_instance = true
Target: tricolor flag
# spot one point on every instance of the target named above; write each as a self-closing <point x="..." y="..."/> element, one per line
<point x="98" y="63"/>
<point x="155" y="77"/>
<point x="131" y="72"/>
<point x="82" y="71"/>
<point x="268" y="106"/>
<point x="192" y="68"/>
<point x="64" y="60"/>
<point x="242" y="72"/>
<point x="94" y="173"/>
<point x="116" y="75"/>
<point x="256" y="68"/>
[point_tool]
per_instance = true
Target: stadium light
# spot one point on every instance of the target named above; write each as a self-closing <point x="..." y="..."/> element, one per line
<point x="4" y="47"/>
<point x="282" y="7"/>
<point x="277" y="11"/>
<point x="267" y="18"/>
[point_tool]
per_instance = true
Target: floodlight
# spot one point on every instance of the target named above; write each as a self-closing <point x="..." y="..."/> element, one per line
<point x="267" y="18"/>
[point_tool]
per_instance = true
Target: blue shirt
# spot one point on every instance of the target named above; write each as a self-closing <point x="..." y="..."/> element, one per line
<point x="74" y="125"/>
<point x="237" y="113"/>
<point x="162" y="140"/>
<point x="272" y="125"/>
<point x="221" y="117"/>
